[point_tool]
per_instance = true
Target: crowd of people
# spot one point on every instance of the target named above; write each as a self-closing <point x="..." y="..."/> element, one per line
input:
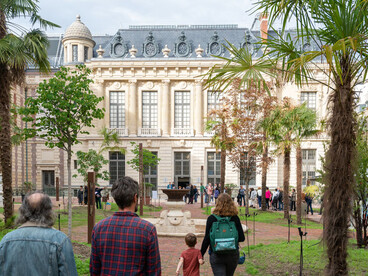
<point x="125" y="244"/>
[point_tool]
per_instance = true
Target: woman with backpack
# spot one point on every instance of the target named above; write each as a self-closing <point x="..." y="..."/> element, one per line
<point x="223" y="256"/>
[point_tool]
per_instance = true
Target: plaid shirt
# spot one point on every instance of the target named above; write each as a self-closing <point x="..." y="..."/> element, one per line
<point x="124" y="244"/>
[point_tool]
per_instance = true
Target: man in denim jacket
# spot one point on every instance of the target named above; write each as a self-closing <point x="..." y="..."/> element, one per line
<point x="35" y="248"/>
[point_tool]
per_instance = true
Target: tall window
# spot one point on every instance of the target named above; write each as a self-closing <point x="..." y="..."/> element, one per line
<point x="182" y="168"/>
<point x="149" y="109"/>
<point x="252" y="170"/>
<point x="309" y="98"/>
<point x="213" y="100"/>
<point x="75" y="53"/>
<point x="117" y="110"/>
<point x="150" y="175"/>
<point x="213" y="167"/>
<point x="117" y="165"/>
<point x="182" y="109"/>
<point x="85" y="53"/>
<point x="309" y="165"/>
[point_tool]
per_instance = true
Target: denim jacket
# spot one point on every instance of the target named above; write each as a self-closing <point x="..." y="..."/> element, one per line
<point x="34" y="250"/>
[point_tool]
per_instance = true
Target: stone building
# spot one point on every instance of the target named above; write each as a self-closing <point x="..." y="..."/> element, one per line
<point x="149" y="78"/>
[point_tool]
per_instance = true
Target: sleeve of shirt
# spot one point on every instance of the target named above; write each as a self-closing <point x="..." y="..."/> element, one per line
<point x="206" y="240"/>
<point x="66" y="259"/>
<point x="153" y="255"/>
<point x="239" y="227"/>
<point x="95" y="262"/>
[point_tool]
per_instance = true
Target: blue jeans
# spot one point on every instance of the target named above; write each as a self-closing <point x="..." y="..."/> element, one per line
<point x="281" y="205"/>
<point x="242" y="199"/>
<point x="259" y="201"/>
<point x="309" y="205"/>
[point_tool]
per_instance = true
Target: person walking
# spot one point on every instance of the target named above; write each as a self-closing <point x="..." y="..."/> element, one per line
<point x="253" y="197"/>
<point x="191" y="258"/>
<point x="80" y="195"/>
<point x="259" y="197"/>
<point x="216" y="193"/>
<point x="242" y="196"/>
<point x="98" y="197"/>
<point x="223" y="264"/>
<point x="268" y="197"/>
<point x="125" y="244"/>
<point x="293" y="200"/>
<point x="196" y="193"/>
<point x="191" y="194"/>
<point x="85" y="195"/>
<point x="275" y="198"/>
<point x="36" y="248"/>
<point x="281" y="200"/>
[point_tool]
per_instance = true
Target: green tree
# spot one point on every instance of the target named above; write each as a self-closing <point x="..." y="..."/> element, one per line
<point x="360" y="204"/>
<point x="338" y="29"/>
<point x="149" y="159"/>
<point x="19" y="48"/>
<point x="291" y="125"/>
<point x="218" y="122"/>
<point x="91" y="161"/>
<point x="64" y="107"/>
<point x="244" y="71"/>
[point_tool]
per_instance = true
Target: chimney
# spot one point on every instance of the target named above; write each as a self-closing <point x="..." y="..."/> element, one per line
<point x="263" y="18"/>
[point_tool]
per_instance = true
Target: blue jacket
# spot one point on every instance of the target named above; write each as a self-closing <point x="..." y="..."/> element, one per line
<point x="34" y="250"/>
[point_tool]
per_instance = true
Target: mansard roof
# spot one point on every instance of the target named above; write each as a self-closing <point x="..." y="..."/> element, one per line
<point x="182" y="40"/>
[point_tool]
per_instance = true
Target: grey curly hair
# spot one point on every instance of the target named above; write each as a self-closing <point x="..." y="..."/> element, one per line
<point x="37" y="208"/>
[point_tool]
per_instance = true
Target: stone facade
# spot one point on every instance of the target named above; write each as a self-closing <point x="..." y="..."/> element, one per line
<point x="134" y="73"/>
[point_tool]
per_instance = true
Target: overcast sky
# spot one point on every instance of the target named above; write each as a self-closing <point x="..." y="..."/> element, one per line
<point x="107" y="16"/>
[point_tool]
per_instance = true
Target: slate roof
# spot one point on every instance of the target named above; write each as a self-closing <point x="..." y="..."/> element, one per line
<point x="182" y="40"/>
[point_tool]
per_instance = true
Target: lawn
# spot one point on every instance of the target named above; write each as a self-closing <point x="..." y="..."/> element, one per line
<point x="271" y="218"/>
<point x="80" y="215"/>
<point x="284" y="258"/>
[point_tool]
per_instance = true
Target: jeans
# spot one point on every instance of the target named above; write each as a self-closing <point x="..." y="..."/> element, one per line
<point x="195" y="198"/>
<point x="224" y="264"/>
<point x="259" y="201"/>
<point x="242" y="199"/>
<point x="309" y="205"/>
<point x="281" y="205"/>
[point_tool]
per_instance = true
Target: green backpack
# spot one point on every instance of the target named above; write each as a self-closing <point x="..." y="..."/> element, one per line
<point x="223" y="235"/>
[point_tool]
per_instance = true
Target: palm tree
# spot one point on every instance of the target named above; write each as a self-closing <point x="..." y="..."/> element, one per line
<point x="18" y="48"/>
<point x="291" y="124"/>
<point x="241" y="69"/>
<point x="338" y="29"/>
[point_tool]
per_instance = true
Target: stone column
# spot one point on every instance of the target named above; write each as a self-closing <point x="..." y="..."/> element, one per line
<point x="198" y="109"/>
<point x="165" y="108"/>
<point x="132" y="109"/>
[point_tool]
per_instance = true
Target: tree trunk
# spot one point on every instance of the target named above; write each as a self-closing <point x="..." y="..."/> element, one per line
<point x="299" y="185"/>
<point x="247" y="194"/>
<point x="286" y="181"/>
<point x="264" y="173"/>
<point x="340" y="178"/>
<point x="358" y="225"/>
<point x="5" y="131"/>
<point x="70" y="196"/>
<point x="223" y="169"/>
<point x="5" y="141"/>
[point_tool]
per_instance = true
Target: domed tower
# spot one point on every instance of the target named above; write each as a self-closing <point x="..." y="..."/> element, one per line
<point x="77" y="42"/>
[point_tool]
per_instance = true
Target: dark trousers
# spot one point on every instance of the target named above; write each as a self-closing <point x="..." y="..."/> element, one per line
<point x="309" y="205"/>
<point x="98" y="202"/>
<point x="268" y="203"/>
<point x="224" y="264"/>
<point x="292" y="206"/>
<point x="259" y="201"/>
<point x="242" y="200"/>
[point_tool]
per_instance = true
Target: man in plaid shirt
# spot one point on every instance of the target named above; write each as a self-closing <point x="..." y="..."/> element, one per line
<point x="125" y="244"/>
